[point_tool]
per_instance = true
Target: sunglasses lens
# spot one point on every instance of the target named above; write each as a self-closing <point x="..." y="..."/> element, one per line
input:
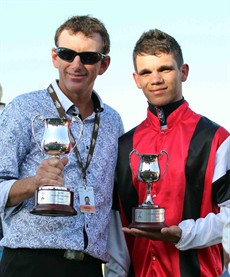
<point x="86" y="57"/>
<point x="66" y="54"/>
<point x="90" y="57"/>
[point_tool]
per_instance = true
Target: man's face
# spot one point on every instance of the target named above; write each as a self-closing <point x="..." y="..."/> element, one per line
<point x="76" y="77"/>
<point x="87" y="200"/>
<point x="160" y="78"/>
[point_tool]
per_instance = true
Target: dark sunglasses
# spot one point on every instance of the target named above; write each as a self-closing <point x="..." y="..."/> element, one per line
<point x="85" y="57"/>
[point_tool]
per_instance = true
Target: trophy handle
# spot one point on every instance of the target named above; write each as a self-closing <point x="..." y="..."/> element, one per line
<point x="33" y="133"/>
<point x="130" y="154"/>
<point x="161" y="154"/>
<point x="73" y="141"/>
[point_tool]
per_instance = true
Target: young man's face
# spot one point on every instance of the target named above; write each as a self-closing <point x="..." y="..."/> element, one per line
<point x="160" y="78"/>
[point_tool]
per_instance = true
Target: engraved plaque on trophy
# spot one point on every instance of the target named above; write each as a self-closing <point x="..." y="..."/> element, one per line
<point x="148" y="216"/>
<point x="56" y="141"/>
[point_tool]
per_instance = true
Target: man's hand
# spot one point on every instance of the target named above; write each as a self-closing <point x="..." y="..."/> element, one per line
<point x="49" y="172"/>
<point x="226" y="259"/>
<point x="169" y="234"/>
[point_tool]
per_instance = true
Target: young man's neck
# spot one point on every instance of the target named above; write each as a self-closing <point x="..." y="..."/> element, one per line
<point x="162" y="112"/>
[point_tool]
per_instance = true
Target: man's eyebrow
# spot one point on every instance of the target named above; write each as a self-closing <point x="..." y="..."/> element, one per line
<point x="163" y="67"/>
<point x="144" y="71"/>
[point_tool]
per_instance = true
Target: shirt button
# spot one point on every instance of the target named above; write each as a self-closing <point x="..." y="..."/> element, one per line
<point x="154" y="258"/>
<point x="154" y="196"/>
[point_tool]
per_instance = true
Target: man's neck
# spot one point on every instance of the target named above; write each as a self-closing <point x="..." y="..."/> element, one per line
<point x="82" y="100"/>
<point x="85" y="108"/>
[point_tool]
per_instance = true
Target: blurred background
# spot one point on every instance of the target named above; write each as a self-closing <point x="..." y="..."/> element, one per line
<point x="202" y="28"/>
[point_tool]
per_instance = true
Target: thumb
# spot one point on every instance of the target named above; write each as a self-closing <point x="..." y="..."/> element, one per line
<point x="165" y="230"/>
<point x="64" y="161"/>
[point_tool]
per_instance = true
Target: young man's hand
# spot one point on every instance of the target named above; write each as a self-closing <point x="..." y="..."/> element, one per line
<point x="169" y="234"/>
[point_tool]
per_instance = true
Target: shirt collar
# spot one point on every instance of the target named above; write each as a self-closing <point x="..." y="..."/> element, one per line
<point x="66" y="103"/>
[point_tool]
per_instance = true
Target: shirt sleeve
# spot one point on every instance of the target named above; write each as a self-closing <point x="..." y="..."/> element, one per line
<point x="119" y="262"/>
<point x="194" y="233"/>
<point x="13" y="133"/>
<point x="5" y="189"/>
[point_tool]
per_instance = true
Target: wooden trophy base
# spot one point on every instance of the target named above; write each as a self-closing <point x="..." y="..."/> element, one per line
<point x="148" y="218"/>
<point x="53" y="210"/>
<point x="53" y="201"/>
<point x="148" y="226"/>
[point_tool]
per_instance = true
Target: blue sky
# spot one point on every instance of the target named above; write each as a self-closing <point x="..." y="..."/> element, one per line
<point x="202" y="28"/>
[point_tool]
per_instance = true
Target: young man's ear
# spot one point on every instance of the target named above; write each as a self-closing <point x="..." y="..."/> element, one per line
<point x="136" y="79"/>
<point x="184" y="72"/>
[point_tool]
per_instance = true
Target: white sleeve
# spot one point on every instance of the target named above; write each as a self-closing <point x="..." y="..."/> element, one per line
<point x="222" y="161"/>
<point x="204" y="231"/>
<point x="208" y="231"/>
<point x="118" y="265"/>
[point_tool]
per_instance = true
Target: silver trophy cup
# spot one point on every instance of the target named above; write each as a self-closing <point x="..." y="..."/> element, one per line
<point x="148" y="216"/>
<point x="56" y="141"/>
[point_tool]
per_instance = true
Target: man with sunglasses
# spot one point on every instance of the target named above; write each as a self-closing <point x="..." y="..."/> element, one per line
<point x="72" y="245"/>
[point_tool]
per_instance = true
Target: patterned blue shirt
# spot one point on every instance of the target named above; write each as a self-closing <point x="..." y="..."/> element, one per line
<point x="20" y="157"/>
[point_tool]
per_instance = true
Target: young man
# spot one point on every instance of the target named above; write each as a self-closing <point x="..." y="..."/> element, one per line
<point x="195" y="208"/>
<point x="72" y="245"/>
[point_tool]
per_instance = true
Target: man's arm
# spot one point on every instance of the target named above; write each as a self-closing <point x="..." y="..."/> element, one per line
<point x="49" y="173"/>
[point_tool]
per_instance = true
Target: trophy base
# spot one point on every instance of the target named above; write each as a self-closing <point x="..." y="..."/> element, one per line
<point x="53" y="210"/>
<point x="148" y="218"/>
<point x="53" y="201"/>
<point x="148" y="226"/>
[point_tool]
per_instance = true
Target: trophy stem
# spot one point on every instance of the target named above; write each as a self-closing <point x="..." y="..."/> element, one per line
<point x="148" y="201"/>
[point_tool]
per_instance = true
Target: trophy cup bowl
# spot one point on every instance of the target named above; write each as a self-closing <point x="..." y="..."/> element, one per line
<point x="55" y="200"/>
<point x="148" y="216"/>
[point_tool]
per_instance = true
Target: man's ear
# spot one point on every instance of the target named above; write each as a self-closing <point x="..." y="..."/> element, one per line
<point x="104" y="65"/>
<point x="54" y="57"/>
<point x="184" y="72"/>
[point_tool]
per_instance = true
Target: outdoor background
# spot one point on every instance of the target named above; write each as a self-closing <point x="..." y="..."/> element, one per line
<point x="202" y="28"/>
